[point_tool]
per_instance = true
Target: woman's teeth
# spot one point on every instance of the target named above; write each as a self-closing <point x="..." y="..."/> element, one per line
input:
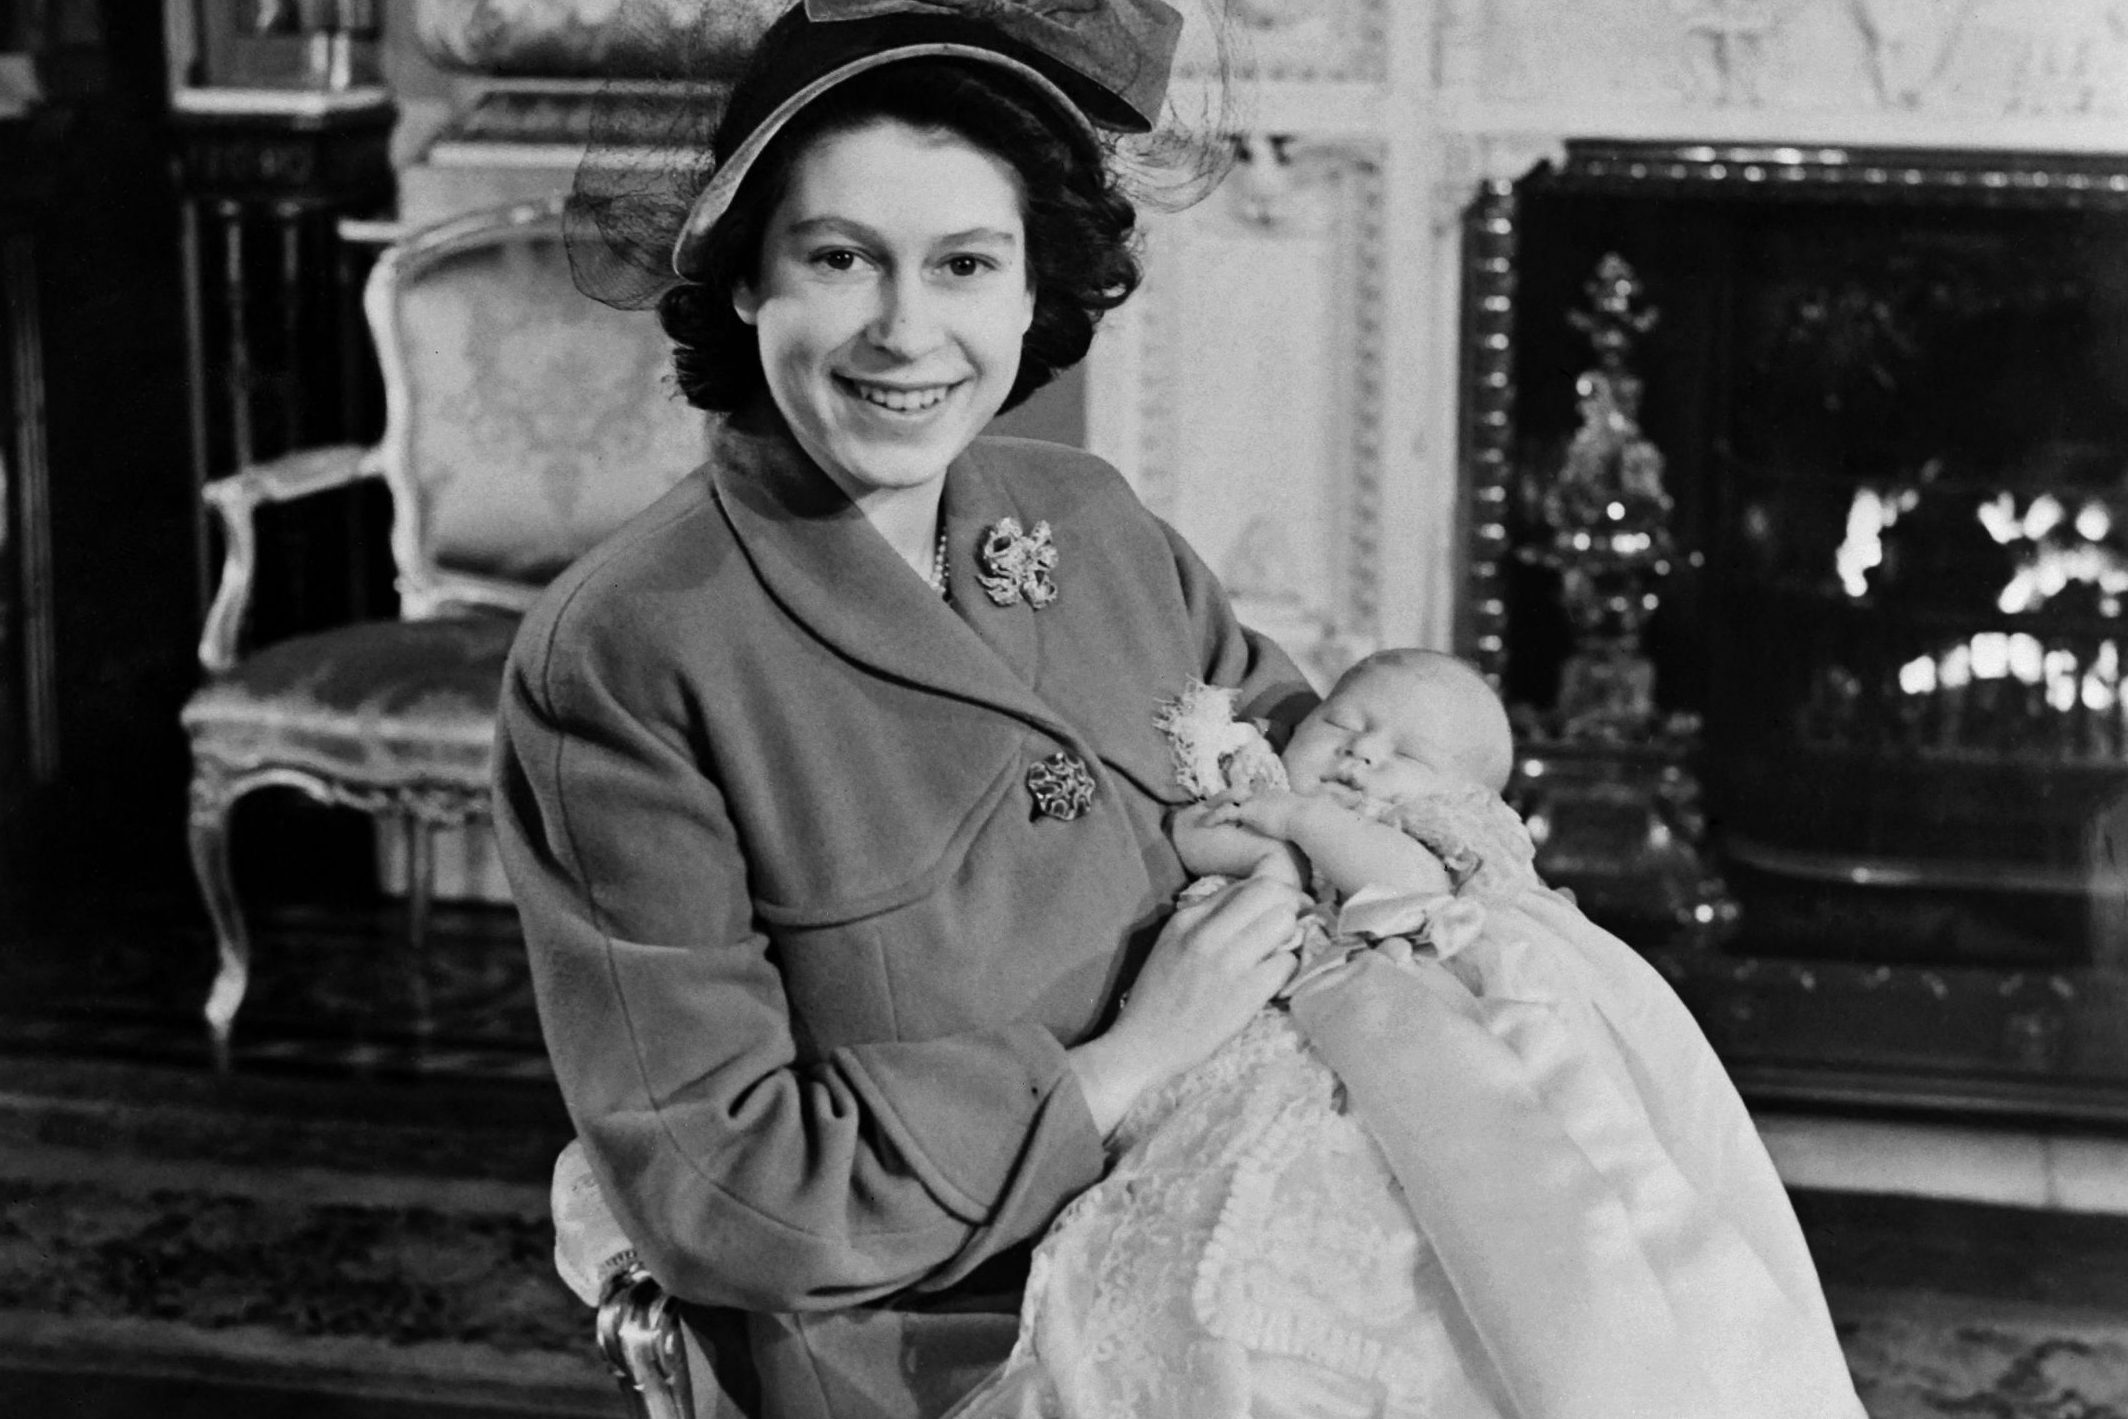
<point x="901" y="401"/>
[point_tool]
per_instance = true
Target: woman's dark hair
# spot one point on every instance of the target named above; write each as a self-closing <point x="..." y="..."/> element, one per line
<point x="1081" y="255"/>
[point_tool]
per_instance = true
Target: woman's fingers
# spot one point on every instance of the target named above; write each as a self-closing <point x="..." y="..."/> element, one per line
<point x="1253" y="897"/>
<point x="1215" y="965"/>
<point x="1254" y="924"/>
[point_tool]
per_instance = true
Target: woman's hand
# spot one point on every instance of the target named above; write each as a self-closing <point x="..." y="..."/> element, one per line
<point x="1216" y="964"/>
<point x="1210" y="846"/>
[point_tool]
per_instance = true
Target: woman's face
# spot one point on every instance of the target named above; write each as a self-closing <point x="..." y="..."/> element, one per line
<point x="892" y="299"/>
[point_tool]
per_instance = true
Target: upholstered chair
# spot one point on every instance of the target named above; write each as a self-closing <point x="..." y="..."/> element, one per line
<point x="638" y="1327"/>
<point x="523" y="422"/>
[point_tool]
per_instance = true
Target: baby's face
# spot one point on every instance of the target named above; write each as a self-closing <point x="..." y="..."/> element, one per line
<point x="1388" y="733"/>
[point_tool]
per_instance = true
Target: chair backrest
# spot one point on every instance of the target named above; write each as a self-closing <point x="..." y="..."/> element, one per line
<point x="523" y="420"/>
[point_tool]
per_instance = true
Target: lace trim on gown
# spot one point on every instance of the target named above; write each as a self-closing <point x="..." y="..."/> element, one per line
<point x="1247" y="1217"/>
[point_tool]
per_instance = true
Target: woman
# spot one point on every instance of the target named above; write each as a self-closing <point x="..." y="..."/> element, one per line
<point x="830" y="788"/>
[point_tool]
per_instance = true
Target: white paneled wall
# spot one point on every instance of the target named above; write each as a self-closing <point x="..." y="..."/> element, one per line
<point x="1284" y="388"/>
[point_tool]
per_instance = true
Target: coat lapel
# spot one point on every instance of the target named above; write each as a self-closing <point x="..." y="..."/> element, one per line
<point x="820" y="559"/>
<point x="1073" y="661"/>
<point x="976" y="498"/>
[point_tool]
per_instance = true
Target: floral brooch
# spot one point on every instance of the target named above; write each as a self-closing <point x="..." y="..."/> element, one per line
<point x="1013" y="564"/>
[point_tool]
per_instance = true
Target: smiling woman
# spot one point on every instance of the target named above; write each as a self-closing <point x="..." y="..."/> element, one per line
<point x="882" y="271"/>
<point x="890" y="303"/>
<point x="1076" y="225"/>
<point x="834" y="872"/>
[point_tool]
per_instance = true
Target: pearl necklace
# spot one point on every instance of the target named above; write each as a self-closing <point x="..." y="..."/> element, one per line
<point x="936" y="577"/>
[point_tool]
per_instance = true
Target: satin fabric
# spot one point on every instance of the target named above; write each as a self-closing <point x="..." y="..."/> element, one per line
<point x="1600" y="1204"/>
<point x="1587" y="1223"/>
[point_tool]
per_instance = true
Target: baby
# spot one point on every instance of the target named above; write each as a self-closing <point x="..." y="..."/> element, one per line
<point x="1411" y="746"/>
<point x="1483" y="1165"/>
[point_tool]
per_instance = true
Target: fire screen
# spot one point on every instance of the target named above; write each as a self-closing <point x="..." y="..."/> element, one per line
<point x="1797" y="486"/>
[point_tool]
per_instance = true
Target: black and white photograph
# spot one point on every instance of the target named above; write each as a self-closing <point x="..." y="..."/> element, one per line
<point x="1064" y="709"/>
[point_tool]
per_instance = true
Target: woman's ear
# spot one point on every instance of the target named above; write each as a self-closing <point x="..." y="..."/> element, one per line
<point x="745" y="303"/>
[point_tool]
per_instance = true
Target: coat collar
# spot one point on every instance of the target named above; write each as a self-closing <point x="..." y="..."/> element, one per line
<point x="823" y="562"/>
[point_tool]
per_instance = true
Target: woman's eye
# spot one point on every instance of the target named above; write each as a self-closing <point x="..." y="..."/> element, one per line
<point x="835" y="259"/>
<point x="966" y="266"/>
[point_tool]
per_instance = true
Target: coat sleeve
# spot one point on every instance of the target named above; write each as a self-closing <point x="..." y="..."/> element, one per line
<point x="1271" y="686"/>
<point x="746" y="1177"/>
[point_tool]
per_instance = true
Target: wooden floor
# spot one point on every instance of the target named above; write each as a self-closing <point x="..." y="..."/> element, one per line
<point x="389" y="1085"/>
<point x="378" y="1085"/>
<point x="57" y="1395"/>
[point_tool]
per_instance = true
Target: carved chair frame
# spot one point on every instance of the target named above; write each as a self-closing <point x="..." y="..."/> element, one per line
<point x="221" y="775"/>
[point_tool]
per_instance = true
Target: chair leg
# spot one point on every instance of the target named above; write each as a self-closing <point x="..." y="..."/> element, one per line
<point x="639" y="1334"/>
<point x="209" y="835"/>
<point x="420" y="892"/>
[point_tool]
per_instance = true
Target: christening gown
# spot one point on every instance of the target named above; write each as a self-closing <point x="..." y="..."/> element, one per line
<point x="1481" y="1165"/>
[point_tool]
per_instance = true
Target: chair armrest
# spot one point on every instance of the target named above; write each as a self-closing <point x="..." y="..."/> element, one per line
<point x="638" y="1326"/>
<point x="295" y="475"/>
<point x="639" y="1333"/>
<point x="450" y="593"/>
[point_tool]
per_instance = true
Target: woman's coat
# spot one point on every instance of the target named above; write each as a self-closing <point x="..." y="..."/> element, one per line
<point x="807" y="955"/>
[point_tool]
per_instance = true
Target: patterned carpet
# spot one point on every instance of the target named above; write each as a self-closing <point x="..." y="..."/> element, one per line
<point x="1949" y="1308"/>
<point x="1915" y="1355"/>
<point x="393" y="1280"/>
<point x="360" y="1210"/>
<point x="385" y="1240"/>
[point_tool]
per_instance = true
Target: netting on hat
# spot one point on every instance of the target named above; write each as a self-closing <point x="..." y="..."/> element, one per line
<point x="653" y="137"/>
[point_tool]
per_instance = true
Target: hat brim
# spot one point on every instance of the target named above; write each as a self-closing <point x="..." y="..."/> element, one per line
<point x="690" y="250"/>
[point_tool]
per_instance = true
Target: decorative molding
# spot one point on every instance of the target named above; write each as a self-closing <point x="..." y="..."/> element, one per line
<point x="602" y="39"/>
<point x="1487" y="420"/>
<point x="1229" y="378"/>
<point x="1470" y="162"/>
<point x="1957" y="62"/>
<point x="1996" y="179"/>
<point x="315" y="105"/>
<point x="1159" y="358"/>
<point x="1296" y="41"/>
<point x="1910" y="44"/>
<point x="1725" y="47"/>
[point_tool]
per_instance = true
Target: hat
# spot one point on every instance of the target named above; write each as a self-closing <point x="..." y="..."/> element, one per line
<point x="1100" y="62"/>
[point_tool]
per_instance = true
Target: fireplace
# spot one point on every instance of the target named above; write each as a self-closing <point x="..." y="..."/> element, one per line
<point x="1830" y="717"/>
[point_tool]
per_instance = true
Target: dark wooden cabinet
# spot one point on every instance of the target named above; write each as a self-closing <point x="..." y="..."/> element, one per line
<point x="278" y="352"/>
<point x="98" y="565"/>
<point x="29" y="728"/>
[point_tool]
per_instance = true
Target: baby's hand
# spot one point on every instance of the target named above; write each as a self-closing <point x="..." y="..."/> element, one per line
<point x="1210" y="841"/>
<point x="1275" y="812"/>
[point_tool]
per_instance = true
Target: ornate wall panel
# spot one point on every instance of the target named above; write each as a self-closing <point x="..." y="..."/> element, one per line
<point x="585" y="38"/>
<point x="1949" y="58"/>
<point x="1507" y="82"/>
<point x="1253" y="367"/>
<point x="1297" y="41"/>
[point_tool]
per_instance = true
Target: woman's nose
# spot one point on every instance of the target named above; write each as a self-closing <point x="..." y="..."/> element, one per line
<point x="905" y="323"/>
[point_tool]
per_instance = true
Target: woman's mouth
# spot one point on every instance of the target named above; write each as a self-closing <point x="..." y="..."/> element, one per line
<point x="897" y="398"/>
